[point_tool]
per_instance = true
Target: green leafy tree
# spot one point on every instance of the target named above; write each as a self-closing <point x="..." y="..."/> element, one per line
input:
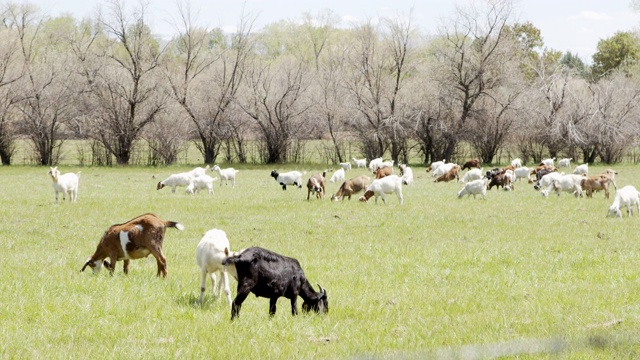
<point x="620" y="51"/>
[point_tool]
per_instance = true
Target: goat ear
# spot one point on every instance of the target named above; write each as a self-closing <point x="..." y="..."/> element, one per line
<point x="226" y="251"/>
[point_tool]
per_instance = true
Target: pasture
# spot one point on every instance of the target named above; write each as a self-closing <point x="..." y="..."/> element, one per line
<point x="441" y="277"/>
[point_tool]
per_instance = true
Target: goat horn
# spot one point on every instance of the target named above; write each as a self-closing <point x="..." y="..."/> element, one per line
<point x="320" y="287"/>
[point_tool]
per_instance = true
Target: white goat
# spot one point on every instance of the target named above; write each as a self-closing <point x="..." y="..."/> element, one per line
<point x="522" y="173"/>
<point x="548" y="162"/>
<point x="360" y="163"/>
<point x="181" y="179"/>
<point x="475" y="187"/>
<point x="407" y="174"/>
<point x="346" y="166"/>
<point x="373" y="164"/>
<point x="516" y="163"/>
<point x="199" y="183"/>
<point x="434" y="165"/>
<point x="473" y="174"/>
<point x="338" y="175"/>
<point x="386" y="185"/>
<point x="385" y="164"/>
<point x="210" y="252"/>
<point x="625" y="197"/>
<point x="442" y="169"/>
<point x="547" y="181"/>
<point x="65" y="184"/>
<point x="566" y="162"/>
<point x="581" y="169"/>
<point x="226" y="175"/>
<point x="568" y="183"/>
<point x="288" y="178"/>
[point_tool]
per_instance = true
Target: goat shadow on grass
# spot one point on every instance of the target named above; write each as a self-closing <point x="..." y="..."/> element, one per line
<point x="193" y="301"/>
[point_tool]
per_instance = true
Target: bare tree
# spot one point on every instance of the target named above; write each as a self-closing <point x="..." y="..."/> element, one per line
<point x="274" y="101"/>
<point x="11" y="70"/>
<point x="125" y="93"/>
<point x="45" y="89"/>
<point x="208" y="78"/>
<point x="473" y="53"/>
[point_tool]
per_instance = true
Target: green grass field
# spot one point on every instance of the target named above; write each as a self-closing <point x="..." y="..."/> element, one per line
<point x="437" y="277"/>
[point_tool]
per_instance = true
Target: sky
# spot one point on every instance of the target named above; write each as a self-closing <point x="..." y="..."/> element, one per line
<point x="565" y="25"/>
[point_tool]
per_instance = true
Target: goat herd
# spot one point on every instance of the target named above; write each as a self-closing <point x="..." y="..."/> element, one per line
<point x="271" y="275"/>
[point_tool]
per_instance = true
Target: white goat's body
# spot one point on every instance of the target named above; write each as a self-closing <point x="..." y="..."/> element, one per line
<point x="566" y="162"/>
<point x="625" y="197"/>
<point x="386" y="185"/>
<point x="175" y="180"/>
<point x="65" y="184"/>
<point x="547" y="181"/>
<point x="338" y="176"/>
<point x="434" y="165"/>
<point x="475" y="187"/>
<point x="581" y="169"/>
<point x="360" y="163"/>
<point x="200" y="183"/>
<point x="288" y="178"/>
<point x="226" y="175"/>
<point x="521" y="173"/>
<point x="471" y="175"/>
<point x="568" y="183"/>
<point x="346" y="166"/>
<point x="407" y="174"/>
<point x="210" y="252"/>
<point x="443" y="169"/>
<point x="548" y="162"/>
<point x="373" y="164"/>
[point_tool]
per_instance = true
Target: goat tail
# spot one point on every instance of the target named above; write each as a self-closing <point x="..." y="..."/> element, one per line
<point x="174" y="224"/>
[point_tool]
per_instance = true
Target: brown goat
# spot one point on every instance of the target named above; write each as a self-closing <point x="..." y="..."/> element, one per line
<point x="315" y="185"/>
<point x="473" y="163"/>
<point x="351" y="187"/>
<point x="500" y="180"/>
<point x="454" y="173"/>
<point x="135" y="239"/>
<point x="596" y="183"/>
<point x="383" y="171"/>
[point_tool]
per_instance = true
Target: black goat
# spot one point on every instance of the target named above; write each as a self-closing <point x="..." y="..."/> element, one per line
<point x="270" y="275"/>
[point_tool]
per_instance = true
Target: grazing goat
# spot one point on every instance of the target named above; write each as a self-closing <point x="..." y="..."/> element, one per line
<point x="625" y="197"/>
<point x="65" y="184"/>
<point x="473" y="163"/>
<point x="473" y="174"/>
<point x="581" y="169"/>
<point x="568" y="183"/>
<point x="475" y="187"/>
<point x="351" y="186"/>
<point x="612" y="174"/>
<point x="346" y="166"/>
<point x="288" y="178"/>
<point x="522" y="173"/>
<point x="499" y="180"/>
<point x="434" y="165"/>
<point x="566" y="162"/>
<point x="386" y="185"/>
<point x="210" y="252"/>
<point x="453" y="173"/>
<point x="338" y="176"/>
<point x="443" y="169"/>
<point x="406" y="173"/>
<point x="226" y="175"/>
<point x="270" y="275"/>
<point x="181" y="179"/>
<point x="547" y="180"/>
<point x="548" y="162"/>
<point x="135" y="239"/>
<point x="596" y="183"/>
<point x="382" y="172"/>
<point x="516" y="163"/>
<point x="199" y="183"/>
<point x="373" y="164"/>
<point x="315" y="185"/>
<point x="360" y="163"/>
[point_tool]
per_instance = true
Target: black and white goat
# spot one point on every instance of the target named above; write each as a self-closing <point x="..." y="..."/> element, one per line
<point x="288" y="178"/>
<point x="271" y="275"/>
<point x="135" y="239"/>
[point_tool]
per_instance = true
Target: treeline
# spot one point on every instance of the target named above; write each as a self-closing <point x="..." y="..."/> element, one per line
<point x="483" y="82"/>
